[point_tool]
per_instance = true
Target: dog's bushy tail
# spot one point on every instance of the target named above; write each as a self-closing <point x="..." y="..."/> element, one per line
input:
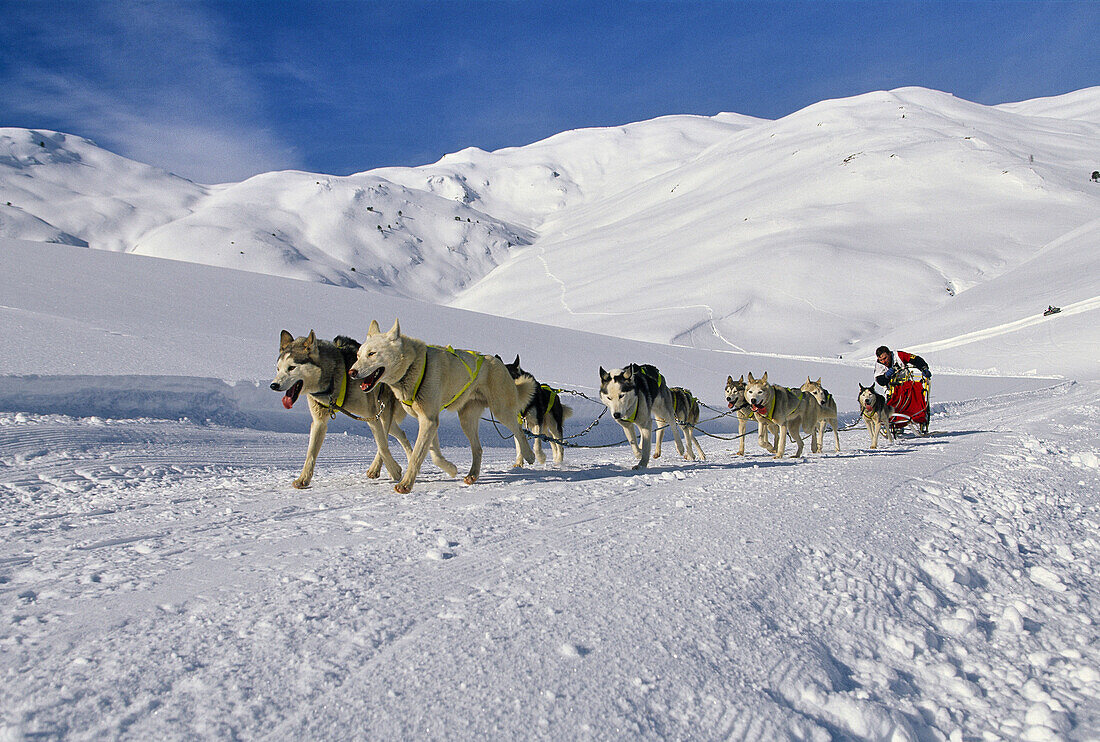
<point x="526" y="388"/>
<point x="566" y="411"/>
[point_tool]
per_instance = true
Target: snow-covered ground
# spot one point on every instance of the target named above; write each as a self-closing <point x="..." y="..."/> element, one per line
<point x="161" y="579"/>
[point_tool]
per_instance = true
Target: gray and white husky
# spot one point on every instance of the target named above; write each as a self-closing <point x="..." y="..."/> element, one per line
<point x="428" y="379"/>
<point x="638" y="396"/>
<point x="828" y="411"/>
<point x="544" y="415"/>
<point x="319" y="369"/>
<point x="876" y="413"/>
<point x="685" y="408"/>
<point x="735" y="398"/>
<point x="789" y="409"/>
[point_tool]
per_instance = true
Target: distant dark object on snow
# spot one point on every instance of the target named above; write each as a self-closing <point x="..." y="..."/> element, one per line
<point x="1096" y="176"/>
<point x="1051" y="309"/>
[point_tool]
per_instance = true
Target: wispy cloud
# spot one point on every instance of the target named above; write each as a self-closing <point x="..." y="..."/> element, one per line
<point x="154" y="82"/>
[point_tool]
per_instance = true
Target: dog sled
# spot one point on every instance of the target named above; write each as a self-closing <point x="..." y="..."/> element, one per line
<point x="908" y="395"/>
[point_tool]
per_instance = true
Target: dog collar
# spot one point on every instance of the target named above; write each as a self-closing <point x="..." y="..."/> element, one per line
<point x="336" y="400"/>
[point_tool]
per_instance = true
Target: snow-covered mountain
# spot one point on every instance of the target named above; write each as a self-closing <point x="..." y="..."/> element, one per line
<point x="822" y="233"/>
<point x="830" y="227"/>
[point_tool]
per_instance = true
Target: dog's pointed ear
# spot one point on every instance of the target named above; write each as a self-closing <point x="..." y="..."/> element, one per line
<point x="516" y="362"/>
<point x="604" y="376"/>
<point x="729" y="381"/>
<point x="741" y="380"/>
<point x="764" y="378"/>
<point x="808" y="380"/>
<point x="285" y="339"/>
<point x="751" y="380"/>
<point x="374" y="329"/>
<point x="310" y="340"/>
<point x="395" y="331"/>
<point x="628" y="371"/>
<point x="819" y="381"/>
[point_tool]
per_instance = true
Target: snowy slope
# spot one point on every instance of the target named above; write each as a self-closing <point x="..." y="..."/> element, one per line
<point x="60" y="188"/>
<point x="1080" y="105"/>
<point x="831" y="229"/>
<point x="160" y="579"/>
<point x="529" y="184"/>
<point x="827" y="228"/>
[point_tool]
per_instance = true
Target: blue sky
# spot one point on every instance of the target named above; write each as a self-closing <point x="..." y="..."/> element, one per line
<point x="218" y="91"/>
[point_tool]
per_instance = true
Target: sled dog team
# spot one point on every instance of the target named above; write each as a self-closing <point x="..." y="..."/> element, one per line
<point x="391" y="375"/>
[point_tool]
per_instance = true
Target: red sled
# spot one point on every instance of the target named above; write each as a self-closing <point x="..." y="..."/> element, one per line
<point x="909" y="400"/>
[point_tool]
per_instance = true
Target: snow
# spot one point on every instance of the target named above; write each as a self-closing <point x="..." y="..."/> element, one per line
<point x="161" y="579"/>
<point x="903" y="216"/>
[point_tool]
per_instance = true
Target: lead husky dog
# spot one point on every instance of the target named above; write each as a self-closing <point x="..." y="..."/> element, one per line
<point x="735" y="397"/>
<point x="685" y="407"/>
<point x="428" y="379"/>
<point x="638" y="396"/>
<point x="828" y="411"/>
<point x="544" y="415"/>
<point x="786" y="408"/>
<point x="876" y="413"/>
<point x="319" y="368"/>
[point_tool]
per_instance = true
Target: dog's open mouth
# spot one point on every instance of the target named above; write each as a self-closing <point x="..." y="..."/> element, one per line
<point x="370" y="381"/>
<point x="292" y="393"/>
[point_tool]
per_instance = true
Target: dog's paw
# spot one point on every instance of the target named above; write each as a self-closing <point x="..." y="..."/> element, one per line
<point x="450" y="470"/>
<point x="469" y="479"/>
<point x="373" y="473"/>
<point x="300" y="483"/>
<point x="402" y="489"/>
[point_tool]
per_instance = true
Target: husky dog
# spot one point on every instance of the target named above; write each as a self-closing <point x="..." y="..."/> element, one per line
<point x="319" y="369"/>
<point x="876" y="413"/>
<point x="828" y="411"/>
<point x="544" y="415"/>
<point x="637" y="396"/>
<point x="787" y="408"/>
<point x="735" y="397"/>
<point x="428" y="379"/>
<point x="685" y="407"/>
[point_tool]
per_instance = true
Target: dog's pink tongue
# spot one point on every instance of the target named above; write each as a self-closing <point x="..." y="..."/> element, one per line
<point x="288" y="401"/>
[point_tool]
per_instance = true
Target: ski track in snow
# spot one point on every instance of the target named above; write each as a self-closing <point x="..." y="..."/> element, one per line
<point x="163" y="580"/>
<point x="541" y="255"/>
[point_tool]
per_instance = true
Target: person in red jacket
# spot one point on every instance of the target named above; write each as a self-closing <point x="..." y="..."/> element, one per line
<point x="890" y="365"/>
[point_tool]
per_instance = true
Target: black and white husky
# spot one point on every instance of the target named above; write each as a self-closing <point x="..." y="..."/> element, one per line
<point x="544" y="415"/>
<point x="876" y="413"/>
<point x="638" y="396"/>
<point x="685" y="407"/>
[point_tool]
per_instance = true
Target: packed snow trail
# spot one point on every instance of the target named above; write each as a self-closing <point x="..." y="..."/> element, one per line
<point x="1077" y="307"/>
<point x="163" y="580"/>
